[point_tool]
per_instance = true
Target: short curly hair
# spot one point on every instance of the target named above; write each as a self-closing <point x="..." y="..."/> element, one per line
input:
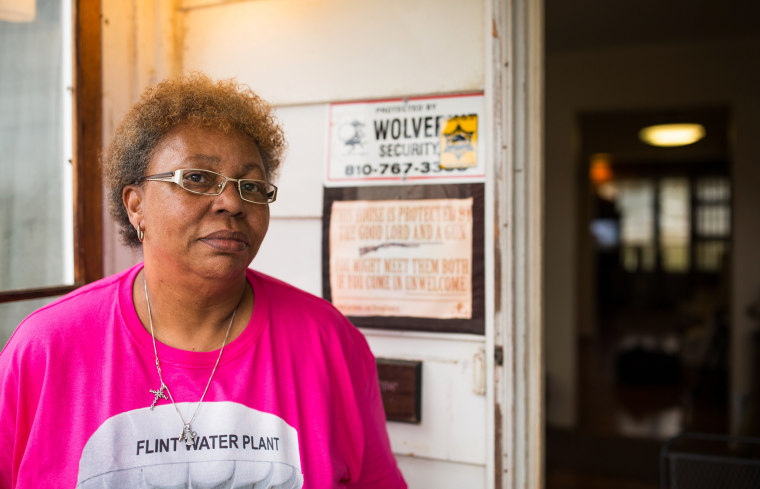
<point x="193" y="99"/>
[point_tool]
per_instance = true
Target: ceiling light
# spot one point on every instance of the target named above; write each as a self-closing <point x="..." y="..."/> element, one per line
<point x="672" y="134"/>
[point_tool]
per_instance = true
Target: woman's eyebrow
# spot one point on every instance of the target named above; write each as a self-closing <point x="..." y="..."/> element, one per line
<point x="202" y="157"/>
<point x="252" y="166"/>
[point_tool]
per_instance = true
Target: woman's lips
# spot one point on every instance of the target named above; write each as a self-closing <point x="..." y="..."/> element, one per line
<point x="229" y="241"/>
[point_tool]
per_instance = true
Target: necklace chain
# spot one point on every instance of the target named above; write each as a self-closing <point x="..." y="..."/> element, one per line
<point x="188" y="435"/>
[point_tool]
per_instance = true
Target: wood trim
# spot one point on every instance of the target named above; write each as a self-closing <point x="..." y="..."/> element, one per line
<point x="516" y="361"/>
<point x="26" y="294"/>
<point x="88" y="198"/>
<point x="87" y="192"/>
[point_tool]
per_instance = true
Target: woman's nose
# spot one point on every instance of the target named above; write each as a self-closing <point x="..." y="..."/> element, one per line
<point x="229" y="200"/>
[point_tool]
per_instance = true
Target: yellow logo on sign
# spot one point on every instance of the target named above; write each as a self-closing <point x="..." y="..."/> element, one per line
<point x="459" y="142"/>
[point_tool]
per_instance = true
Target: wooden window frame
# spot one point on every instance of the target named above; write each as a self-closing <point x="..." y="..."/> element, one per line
<point x="87" y="131"/>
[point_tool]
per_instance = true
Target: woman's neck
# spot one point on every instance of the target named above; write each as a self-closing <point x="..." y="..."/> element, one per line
<point x="192" y="316"/>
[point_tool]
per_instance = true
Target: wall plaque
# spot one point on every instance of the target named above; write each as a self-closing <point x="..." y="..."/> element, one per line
<point x="401" y="389"/>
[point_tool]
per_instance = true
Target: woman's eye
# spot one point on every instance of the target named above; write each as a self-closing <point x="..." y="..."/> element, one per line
<point x="196" y="177"/>
<point x="251" y="187"/>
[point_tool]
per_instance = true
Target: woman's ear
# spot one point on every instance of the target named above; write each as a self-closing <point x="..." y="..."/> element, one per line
<point x="132" y="198"/>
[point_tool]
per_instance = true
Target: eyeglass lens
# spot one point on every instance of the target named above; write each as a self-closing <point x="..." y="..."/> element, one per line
<point x="207" y="182"/>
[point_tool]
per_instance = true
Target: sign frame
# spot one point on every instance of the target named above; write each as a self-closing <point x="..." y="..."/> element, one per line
<point x="473" y="325"/>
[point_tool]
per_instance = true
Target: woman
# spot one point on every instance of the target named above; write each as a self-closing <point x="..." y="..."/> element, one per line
<point x="190" y="369"/>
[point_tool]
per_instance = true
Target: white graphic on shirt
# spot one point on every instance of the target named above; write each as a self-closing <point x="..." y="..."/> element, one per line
<point x="237" y="447"/>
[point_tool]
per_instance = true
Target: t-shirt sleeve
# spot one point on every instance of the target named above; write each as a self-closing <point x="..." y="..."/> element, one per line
<point x="17" y="394"/>
<point x="8" y="402"/>
<point x="378" y="466"/>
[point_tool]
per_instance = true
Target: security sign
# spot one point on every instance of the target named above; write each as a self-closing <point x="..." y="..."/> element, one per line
<point x="420" y="140"/>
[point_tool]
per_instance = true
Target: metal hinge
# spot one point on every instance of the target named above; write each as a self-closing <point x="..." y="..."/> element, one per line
<point x="498" y="355"/>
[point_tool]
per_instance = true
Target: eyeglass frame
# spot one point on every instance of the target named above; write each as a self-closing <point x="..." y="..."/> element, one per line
<point x="175" y="176"/>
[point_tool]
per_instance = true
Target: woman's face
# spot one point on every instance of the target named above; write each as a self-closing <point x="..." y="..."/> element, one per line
<point x="208" y="235"/>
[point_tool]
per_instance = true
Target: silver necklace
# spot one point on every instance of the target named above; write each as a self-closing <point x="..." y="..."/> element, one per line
<point x="188" y="435"/>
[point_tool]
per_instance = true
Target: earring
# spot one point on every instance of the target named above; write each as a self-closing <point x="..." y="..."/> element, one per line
<point x="140" y="234"/>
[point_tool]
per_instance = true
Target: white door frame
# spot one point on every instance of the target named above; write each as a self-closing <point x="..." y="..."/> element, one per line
<point x="514" y="237"/>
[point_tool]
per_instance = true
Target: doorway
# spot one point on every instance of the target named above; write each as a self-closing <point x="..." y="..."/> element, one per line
<point x="651" y="269"/>
<point x="653" y="260"/>
<point x="654" y="345"/>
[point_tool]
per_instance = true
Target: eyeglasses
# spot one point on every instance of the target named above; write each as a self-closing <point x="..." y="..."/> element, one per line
<point x="207" y="182"/>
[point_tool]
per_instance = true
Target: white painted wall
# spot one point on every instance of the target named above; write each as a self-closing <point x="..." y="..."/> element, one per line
<point x="302" y="55"/>
<point x="718" y="73"/>
<point x="292" y="250"/>
<point x="303" y="52"/>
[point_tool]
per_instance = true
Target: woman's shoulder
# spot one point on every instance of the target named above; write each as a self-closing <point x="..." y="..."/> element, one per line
<point x="312" y="326"/>
<point x="303" y="311"/>
<point x="281" y="293"/>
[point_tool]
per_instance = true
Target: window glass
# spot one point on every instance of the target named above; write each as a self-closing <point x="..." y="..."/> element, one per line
<point x="712" y="223"/>
<point x="675" y="226"/>
<point x="714" y="189"/>
<point x="714" y="220"/>
<point x="635" y="204"/>
<point x="35" y="191"/>
<point x="36" y="225"/>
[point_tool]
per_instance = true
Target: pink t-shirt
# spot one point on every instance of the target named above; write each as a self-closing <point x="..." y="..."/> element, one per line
<point x="294" y="401"/>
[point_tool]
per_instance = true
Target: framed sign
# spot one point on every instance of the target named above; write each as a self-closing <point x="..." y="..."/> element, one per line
<point x="406" y="257"/>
